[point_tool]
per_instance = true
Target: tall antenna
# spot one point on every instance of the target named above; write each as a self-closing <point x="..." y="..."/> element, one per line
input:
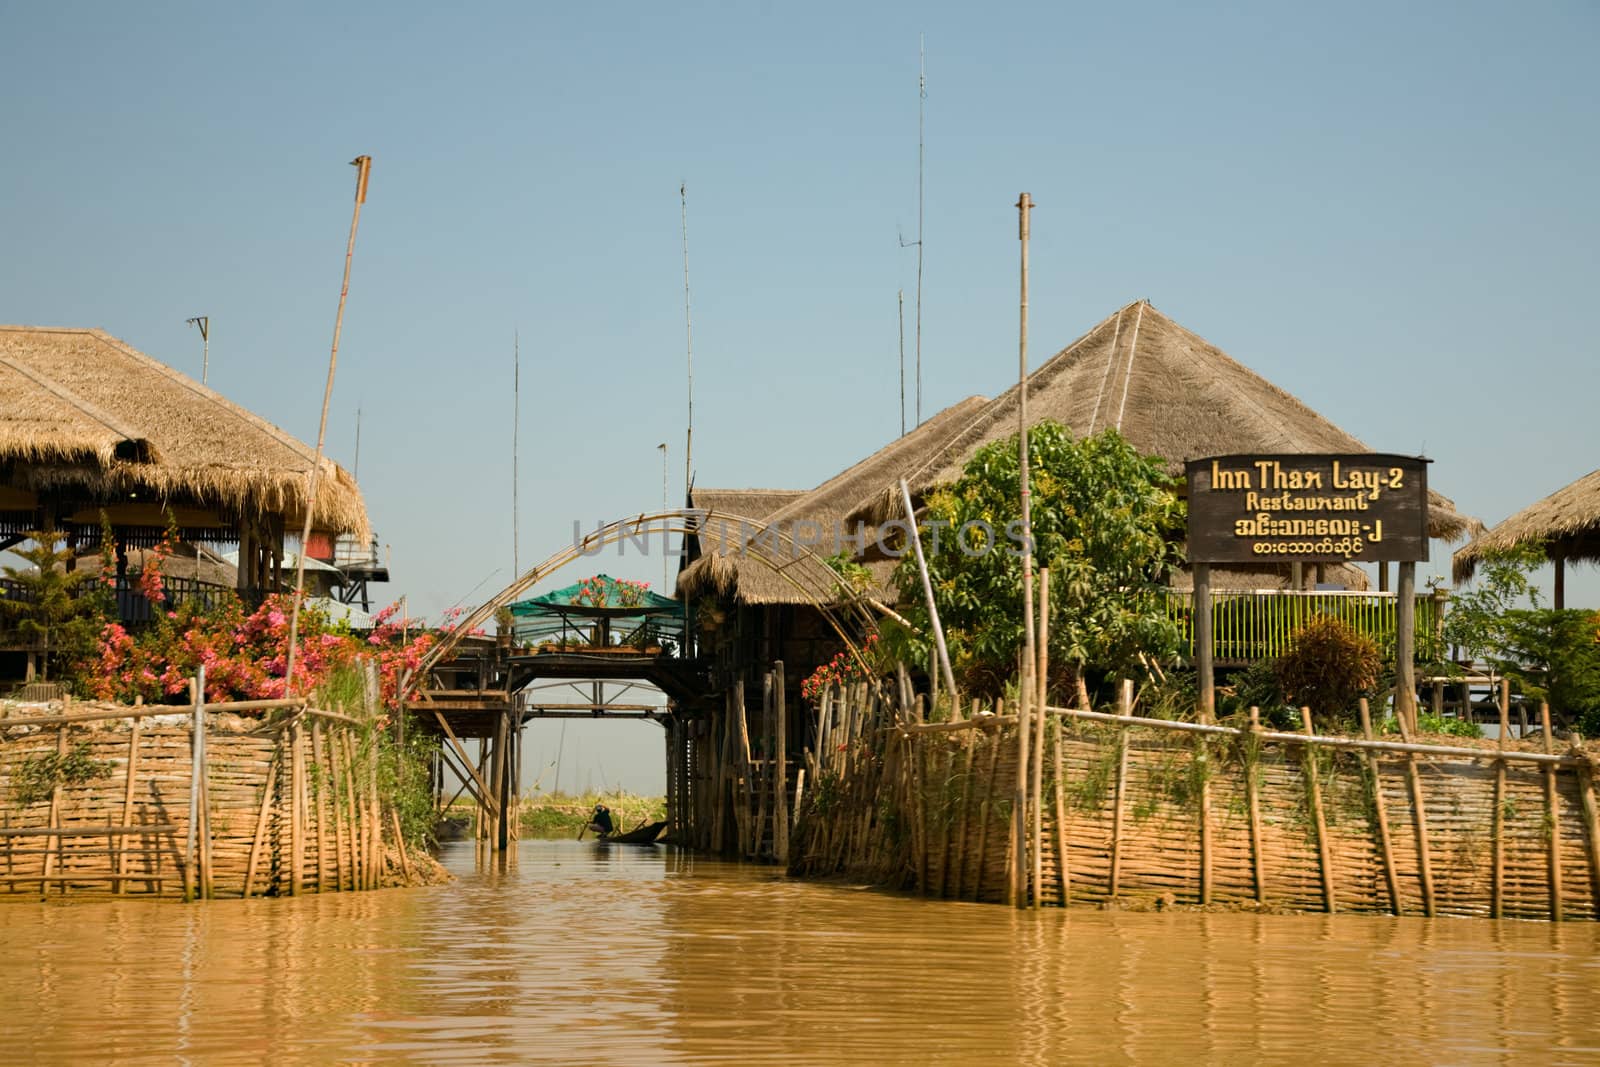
<point x="204" y="323"/>
<point x="688" y="340"/>
<point x="516" y="426"/>
<point x="902" y="299"/>
<point x="922" y="97"/>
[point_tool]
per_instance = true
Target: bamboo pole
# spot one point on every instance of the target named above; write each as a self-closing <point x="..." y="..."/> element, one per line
<point x="54" y="855"/>
<point x="352" y="810"/>
<point x="964" y="811"/>
<point x="984" y="815"/>
<point x="335" y="786"/>
<point x="1025" y="708"/>
<point x="400" y="844"/>
<point x="297" y="776"/>
<point x="1552" y="817"/>
<point x="132" y="774"/>
<point x="780" y="778"/>
<point x="1252" y="791"/>
<point x="1114" y="879"/>
<point x="1419" y="814"/>
<point x="1203" y="754"/>
<point x="1063" y="864"/>
<point x="1380" y="809"/>
<point x="1041" y="695"/>
<point x="1314" y="795"/>
<point x="374" y="817"/>
<point x="1591" y="824"/>
<point x="262" y="814"/>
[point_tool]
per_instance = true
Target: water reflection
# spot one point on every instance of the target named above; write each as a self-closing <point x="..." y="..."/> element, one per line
<point x="568" y="952"/>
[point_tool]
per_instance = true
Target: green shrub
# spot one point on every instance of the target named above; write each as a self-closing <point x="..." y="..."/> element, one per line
<point x="1328" y="666"/>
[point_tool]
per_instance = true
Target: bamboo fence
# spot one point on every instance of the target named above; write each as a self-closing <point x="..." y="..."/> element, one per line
<point x="281" y="807"/>
<point x="1135" y="812"/>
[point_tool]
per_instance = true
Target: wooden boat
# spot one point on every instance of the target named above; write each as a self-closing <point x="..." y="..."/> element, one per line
<point x="644" y="834"/>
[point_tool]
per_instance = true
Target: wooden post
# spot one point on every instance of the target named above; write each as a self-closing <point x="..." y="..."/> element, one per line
<point x="1314" y="794"/>
<point x="1115" y="874"/>
<point x="760" y="777"/>
<point x="1063" y="866"/>
<point x="1041" y="687"/>
<point x="1559" y="562"/>
<point x="1419" y="814"/>
<point x="351" y="812"/>
<point x="297" y="810"/>
<point x="52" y="853"/>
<point x="780" y="776"/>
<point x="1552" y="816"/>
<point x="1380" y="809"/>
<point x="1252" y="791"/>
<point x="274" y="767"/>
<point x="1203" y="654"/>
<point x="1405" y="644"/>
<point x="1017" y="880"/>
<point x="127" y="805"/>
<point x="742" y="811"/>
<point x="1591" y="820"/>
<point x="1202" y="753"/>
<point x="985" y="812"/>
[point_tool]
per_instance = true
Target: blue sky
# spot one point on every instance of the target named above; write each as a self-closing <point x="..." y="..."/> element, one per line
<point x="1385" y="209"/>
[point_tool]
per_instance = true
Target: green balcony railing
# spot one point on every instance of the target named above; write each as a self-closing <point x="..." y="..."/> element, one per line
<point x="1248" y="626"/>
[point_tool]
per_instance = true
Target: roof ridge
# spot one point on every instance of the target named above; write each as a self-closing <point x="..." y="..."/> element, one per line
<point x="60" y="391"/>
<point x="205" y="392"/>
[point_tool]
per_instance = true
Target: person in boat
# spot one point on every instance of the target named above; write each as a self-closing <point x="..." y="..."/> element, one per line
<point x="600" y="822"/>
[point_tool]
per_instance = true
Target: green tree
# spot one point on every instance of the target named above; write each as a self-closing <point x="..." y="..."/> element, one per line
<point x="63" y="611"/>
<point x="1476" y="621"/>
<point x="1105" y="521"/>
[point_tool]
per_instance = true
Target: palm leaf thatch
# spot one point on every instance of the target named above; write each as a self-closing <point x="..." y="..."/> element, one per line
<point x="1168" y="391"/>
<point x="1566" y="524"/>
<point x="727" y="570"/>
<point x="81" y="409"/>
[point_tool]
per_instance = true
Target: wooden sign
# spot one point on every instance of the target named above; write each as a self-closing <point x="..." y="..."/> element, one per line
<point x="1308" y="508"/>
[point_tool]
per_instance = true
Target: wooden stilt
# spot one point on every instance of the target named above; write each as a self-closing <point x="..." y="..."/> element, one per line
<point x="1063" y="860"/>
<point x="262" y="814"/>
<point x="1591" y="822"/>
<point x="132" y="778"/>
<point x="780" y="775"/>
<point x="985" y="813"/>
<point x="1419" y="818"/>
<point x="1202" y="753"/>
<point x="1380" y="810"/>
<point x="1113" y="880"/>
<point x="1552" y="817"/>
<point x="1314" y="795"/>
<point x="1252" y="792"/>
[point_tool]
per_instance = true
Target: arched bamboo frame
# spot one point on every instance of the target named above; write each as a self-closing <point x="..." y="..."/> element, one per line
<point x="686" y="522"/>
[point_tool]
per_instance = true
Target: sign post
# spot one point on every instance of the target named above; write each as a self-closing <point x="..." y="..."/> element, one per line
<point x="1309" y="508"/>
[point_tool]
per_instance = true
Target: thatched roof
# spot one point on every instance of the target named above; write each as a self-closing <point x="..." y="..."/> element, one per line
<point x="1168" y="391"/>
<point x="80" y="408"/>
<point x="725" y="571"/>
<point x="1566" y="523"/>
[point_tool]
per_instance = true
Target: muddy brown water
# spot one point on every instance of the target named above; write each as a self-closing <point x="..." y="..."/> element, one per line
<point x="573" y="953"/>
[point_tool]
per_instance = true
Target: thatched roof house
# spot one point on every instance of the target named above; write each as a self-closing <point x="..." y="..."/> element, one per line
<point x="1565" y="524"/>
<point x="1168" y="391"/>
<point x="88" y="423"/>
<point x="725" y="570"/>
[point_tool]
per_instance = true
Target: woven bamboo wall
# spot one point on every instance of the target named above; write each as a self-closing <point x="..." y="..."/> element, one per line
<point x="1146" y="814"/>
<point x="284" y="809"/>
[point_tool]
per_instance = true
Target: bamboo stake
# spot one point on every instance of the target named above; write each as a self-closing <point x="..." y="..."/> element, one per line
<point x="1314" y="794"/>
<point x="1202" y="753"/>
<point x="1063" y="866"/>
<point x="1041" y="695"/>
<point x="1420" y="820"/>
<point x="1252" y="790"/>
<point x="1115" y="873"/>
<point x="761" y="780"/>
<point x="1591" y="823"/>
<point x="55" y="813"/>
<point x="132" y="773"/>
<point x="352" y="792"/>
<point x="1552" y="817"/>
<point x="273" y="768"/>
<point x="780" y="777"/>
<point x="400" y="844"/>
<point x="297" y="811"/>
<point x="960" y="859"/>
<point x="335" y="784"/>
<point x="1391" y="876"/>
<point x="319" y="787"/>
<point x="984" y="814"/>
<point x="375" y="816"/>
